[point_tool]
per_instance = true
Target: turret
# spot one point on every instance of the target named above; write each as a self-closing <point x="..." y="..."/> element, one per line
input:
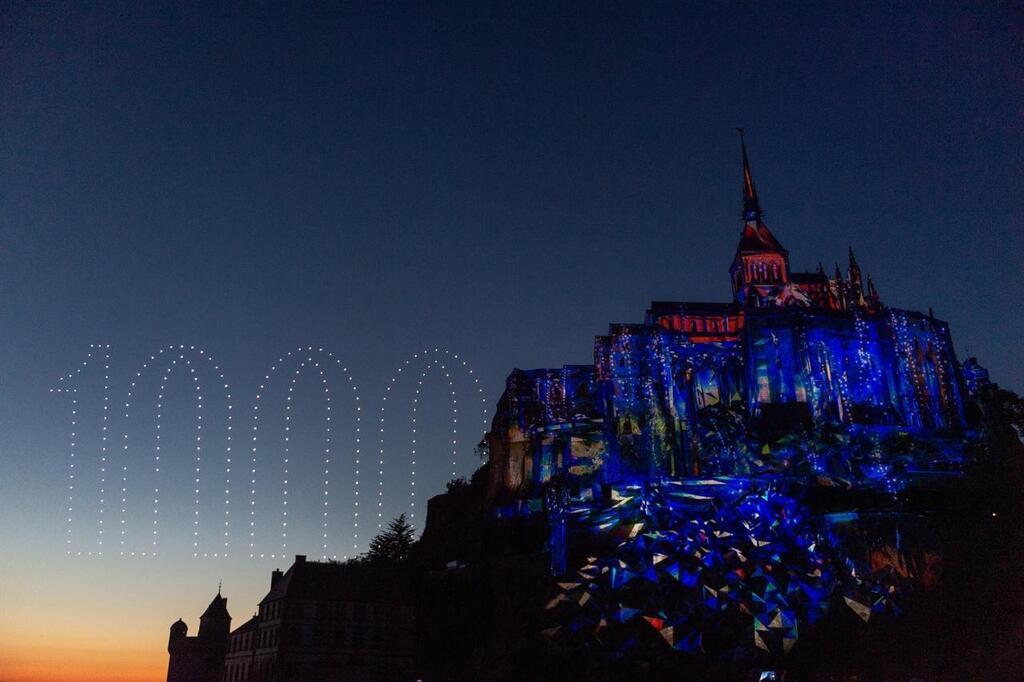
<point x="874" y="300"/>
<point x="215" y="623"/>
<point x="841" y="289"/>
<point x="179" y="631"/>
<point x="856" y="291"/>
<point x="200" y="658"/>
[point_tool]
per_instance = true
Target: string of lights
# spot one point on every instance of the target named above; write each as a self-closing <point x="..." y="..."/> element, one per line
<point x="64" y="388"/>
<point x="317" y="360"/>
<point x="870" y="374"/>
<point x="908" y="369"/>
<point x="185" y="356"/>
<point x="415" y="403"/>
<point x="431" y="358"/>
<point x="195" y="364"/>
<point x="103" y="446"/>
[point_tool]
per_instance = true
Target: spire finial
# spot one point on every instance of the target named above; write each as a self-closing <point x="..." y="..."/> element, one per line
<point x="218" y="587"/>
<point x="751" y="206"/>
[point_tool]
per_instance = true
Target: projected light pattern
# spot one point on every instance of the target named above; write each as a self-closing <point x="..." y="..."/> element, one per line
<point x="432" y="359"/>
<point x="791" y="352"/>
<point x="643" y="408"/>
<point x="310" y="363"/>
<point x="719" y="567"/>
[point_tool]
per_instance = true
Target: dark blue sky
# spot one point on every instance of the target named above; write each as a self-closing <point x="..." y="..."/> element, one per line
<point x="501" y="181"/>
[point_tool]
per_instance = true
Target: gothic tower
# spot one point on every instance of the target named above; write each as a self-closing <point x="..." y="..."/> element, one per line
<point x="200" y="658"/>
<point x="856" y="283"/>
<point x="215" y="623"/>
<point x="760" y="268"/>
<point x="179" y="631"/>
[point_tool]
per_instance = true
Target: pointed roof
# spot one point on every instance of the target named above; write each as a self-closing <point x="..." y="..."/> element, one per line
<point x="751" y="206"/>
<point x="818" y="277"/>
<point x="756" y="237"/>
<point x="328" y="580"/>
<point x="872" y="291"/>
<point x="248" y="625"/>
<point x="218" y="608"/>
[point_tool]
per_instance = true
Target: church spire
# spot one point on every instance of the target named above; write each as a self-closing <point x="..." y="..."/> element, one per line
<point x="751" y="206"/>
<point x="761" y="265"/>
<point x="856" y="284"/>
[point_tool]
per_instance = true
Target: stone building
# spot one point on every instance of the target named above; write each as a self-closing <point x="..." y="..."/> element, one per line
<point x="791" y="350"/>
<point x="319" y="621"/>
<point x="200" y="658"/>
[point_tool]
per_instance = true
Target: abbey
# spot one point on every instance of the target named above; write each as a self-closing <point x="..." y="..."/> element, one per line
<point x="791" y="351"/>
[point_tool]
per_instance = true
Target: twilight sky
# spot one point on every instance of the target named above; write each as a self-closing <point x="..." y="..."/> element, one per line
<point x="499" y="182"/>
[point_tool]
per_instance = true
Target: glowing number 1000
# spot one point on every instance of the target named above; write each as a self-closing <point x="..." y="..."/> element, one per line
<point x="204" y="376"/>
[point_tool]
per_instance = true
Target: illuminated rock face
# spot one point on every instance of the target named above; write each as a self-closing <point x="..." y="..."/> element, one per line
<point x="791" y="351"/>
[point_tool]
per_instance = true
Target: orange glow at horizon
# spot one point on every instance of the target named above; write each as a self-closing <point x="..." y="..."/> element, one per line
<point x="107" y="621"/>
<point x="42" y="659"/>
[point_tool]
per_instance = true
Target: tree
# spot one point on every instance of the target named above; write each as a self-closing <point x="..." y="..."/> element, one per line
<point x="457" y="484"/>
<point x="394" y="543"/>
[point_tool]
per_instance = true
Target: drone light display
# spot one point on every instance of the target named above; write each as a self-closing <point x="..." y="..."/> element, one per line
<point x="226" y="498"/>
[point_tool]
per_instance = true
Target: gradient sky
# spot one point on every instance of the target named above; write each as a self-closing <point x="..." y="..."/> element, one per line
<point x="497" y="181"/>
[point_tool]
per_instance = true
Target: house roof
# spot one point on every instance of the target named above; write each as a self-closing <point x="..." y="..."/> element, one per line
<point x="757" y="238"/>
<point x="218" y="608"/>
<point x="335" y="581"/>
<point x="247" y="625"/>
<point x="693" y="307"/>
<point x="808" y="277"/>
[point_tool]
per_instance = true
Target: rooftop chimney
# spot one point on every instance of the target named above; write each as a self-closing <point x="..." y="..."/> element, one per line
<point x="300" y="558"/>
<point x="274" y="577"/>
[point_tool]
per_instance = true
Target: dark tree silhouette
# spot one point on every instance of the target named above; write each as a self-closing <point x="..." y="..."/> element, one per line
<point x="394" y="543"/>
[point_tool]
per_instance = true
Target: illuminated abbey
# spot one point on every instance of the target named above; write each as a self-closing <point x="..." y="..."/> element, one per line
<point x="678" y="394"/>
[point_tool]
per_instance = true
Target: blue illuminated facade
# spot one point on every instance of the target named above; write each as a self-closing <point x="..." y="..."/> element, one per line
<point x="685" y="392"/>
